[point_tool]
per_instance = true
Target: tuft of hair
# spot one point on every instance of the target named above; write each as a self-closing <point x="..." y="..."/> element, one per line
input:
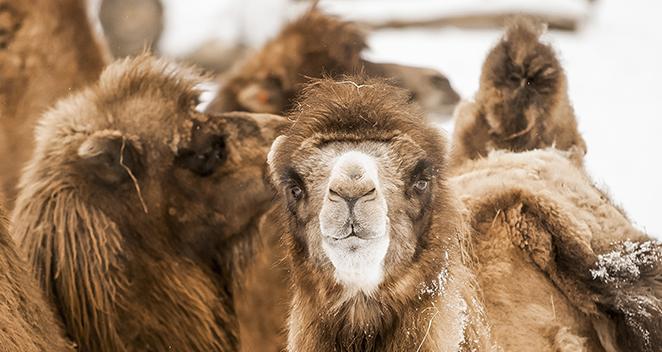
<point x="148" y="75"/>
<point x="522" y="103"/>
<point x="357" y="108"/>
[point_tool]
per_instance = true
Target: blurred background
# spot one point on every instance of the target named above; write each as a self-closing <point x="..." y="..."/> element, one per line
<point x="611" y="51"/>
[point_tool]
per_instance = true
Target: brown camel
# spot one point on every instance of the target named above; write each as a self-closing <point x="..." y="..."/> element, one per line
<point x="561" y="267"/>
<point x="47" y="50"/>
<point x="139" y="214"/>
<point x="382" y="259"/>
<point x="314" y="46"/>
<point x="376" y="242"/>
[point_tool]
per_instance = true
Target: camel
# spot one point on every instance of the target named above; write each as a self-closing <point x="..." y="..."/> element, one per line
<point x="561" y="266"/>
<point x="313" y="46"/>
<point x="139" y="214"/>
<point x="28" y="323"/>
<point x="391" y="249"/>
<point x="522" y="102"/>
<point x="376" y="243"/>
<point x="47" y="49"/>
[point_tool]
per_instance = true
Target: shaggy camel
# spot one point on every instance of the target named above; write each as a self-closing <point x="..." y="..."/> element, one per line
<point x="139" y="213"/>
<point x="313" y="46"/>
<point x="540" y="223"/>
<point x="382" y="259"/>
<point x="522" y="102"/>
<point x="376" y="243"/>
<point x="28" y="323"/>
<point x="47" y="49"/>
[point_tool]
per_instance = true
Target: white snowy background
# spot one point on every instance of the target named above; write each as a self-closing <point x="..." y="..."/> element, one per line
<point x="612" y="62"/>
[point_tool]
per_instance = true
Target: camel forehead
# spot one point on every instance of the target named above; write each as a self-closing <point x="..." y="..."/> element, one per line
<point x="398" y="154"/>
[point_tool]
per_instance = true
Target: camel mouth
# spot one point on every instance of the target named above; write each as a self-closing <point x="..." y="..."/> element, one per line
<point x="358" y="236"/>
<point x="358" y="261"/>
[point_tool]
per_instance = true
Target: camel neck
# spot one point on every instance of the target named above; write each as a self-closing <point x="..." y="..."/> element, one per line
<point x="440" y="315"/>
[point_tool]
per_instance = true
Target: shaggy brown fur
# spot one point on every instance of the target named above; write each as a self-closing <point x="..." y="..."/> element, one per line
<point x="47" y="50"/>
<point x="559" y="263"/>
<point x="27" y="321"/>
<point x="426" y="301"/>
<point x="522" y="103"/>
<point x="138" y="213"/>
<point x="314" y="46"/>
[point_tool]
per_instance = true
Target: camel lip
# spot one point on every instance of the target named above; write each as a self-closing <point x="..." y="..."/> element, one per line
<point x="352" y="236"/>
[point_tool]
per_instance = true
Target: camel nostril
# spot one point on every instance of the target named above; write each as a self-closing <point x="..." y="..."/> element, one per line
<point x="369" y="193"/>
<point x="351" y="197"/>
<point x="334" y="196"/>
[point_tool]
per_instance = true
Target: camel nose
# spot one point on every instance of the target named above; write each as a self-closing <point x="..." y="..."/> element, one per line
<point x="353" y="178"/>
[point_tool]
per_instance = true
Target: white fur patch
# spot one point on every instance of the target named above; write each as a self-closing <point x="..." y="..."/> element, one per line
<point x="358" y="259"/>
<point x="359" y="263"/>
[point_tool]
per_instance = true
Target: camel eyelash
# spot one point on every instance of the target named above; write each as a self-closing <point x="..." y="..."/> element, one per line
<point x="292" y="180"/>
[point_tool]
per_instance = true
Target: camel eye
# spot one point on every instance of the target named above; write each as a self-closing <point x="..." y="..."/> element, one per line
<point x="296" y="192"/>
<point x="421" y="185"/>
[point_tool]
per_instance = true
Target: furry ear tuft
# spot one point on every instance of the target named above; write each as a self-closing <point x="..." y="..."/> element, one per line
<point x="523" y="28"/>
<point x="110" y="157"/>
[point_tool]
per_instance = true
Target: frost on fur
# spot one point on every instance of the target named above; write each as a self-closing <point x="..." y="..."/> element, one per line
<point x="624" y="264"/>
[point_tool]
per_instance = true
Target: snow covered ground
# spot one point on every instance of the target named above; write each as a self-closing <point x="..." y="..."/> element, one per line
<point x="613" y="67"/>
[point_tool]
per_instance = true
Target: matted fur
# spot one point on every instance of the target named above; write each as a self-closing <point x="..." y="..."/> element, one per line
<point x="429" y="302"/>
<point x="555" y="253"/>
<point x="145" y="260"/>
<point x="318" y="45"/>
<point x="49" y="51"/>
<point x="27" y="321"/>
<point x="522" y="102"/>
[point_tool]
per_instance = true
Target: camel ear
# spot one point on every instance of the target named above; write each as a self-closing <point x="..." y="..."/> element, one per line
<point x="110" y="157"/>
<point x="272" y="154"/>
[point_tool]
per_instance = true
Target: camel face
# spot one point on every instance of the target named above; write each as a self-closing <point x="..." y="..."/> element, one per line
<point x="151" y="151"/>
<point x="362" y="207"/>
<point x="358" y="197"/>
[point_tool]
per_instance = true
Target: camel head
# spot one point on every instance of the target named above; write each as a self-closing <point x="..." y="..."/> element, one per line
<point x="361" y="179"/>
<point x="129" y="182"/>
<point x="312" y="46"/>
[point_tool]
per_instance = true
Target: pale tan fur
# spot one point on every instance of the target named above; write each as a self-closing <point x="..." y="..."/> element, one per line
<point x="540" y="227"/>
